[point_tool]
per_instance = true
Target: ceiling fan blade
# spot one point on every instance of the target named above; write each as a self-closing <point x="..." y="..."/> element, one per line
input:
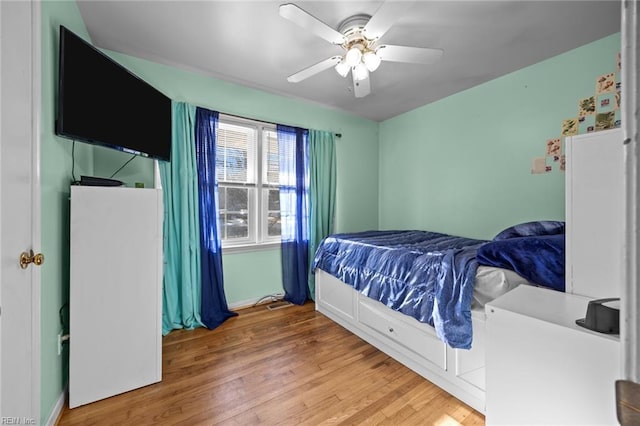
<point x="361" y="88"/>
<point x="415" y="55"/>
<point x="314" y="69"/>
<point x="384" y="18"/>
<point x="305" y="20"/>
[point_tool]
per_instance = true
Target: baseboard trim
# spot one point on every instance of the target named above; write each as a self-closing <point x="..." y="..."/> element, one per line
<point x="242" y="304"/>
<point x="56" y="413"/>
<point x="249" y="303"/>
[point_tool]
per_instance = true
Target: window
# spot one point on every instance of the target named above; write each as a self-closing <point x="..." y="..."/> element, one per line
<point x="247" y="170"/>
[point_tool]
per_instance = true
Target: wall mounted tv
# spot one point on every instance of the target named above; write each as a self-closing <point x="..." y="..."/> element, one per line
<point x="102" y="103"/>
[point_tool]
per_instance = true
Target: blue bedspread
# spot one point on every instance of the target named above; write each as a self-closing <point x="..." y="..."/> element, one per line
<point x="426" y="275"/>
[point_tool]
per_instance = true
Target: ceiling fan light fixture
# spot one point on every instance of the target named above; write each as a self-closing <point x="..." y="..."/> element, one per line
<point x="353" y="57"/>
<point x="342" y="68"/>
<point x="360" y="72"/>
<point x="371" y="60"/>
<point x="358" y="37"/>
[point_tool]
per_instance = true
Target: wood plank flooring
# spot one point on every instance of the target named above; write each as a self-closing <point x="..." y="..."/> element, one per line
<point x="290" y="366"/>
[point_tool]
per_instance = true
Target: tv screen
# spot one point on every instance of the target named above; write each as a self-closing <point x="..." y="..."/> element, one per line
<point x="101" y="102"/>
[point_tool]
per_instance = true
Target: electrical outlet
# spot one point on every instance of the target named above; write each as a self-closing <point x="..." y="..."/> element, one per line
<point x="60" y="343"/>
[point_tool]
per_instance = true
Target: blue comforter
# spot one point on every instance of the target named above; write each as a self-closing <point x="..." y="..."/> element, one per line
<point x="540" y="259"/>
<point x="426" y="275"/>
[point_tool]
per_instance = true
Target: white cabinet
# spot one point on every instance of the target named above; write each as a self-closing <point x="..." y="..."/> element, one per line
<point x="544" y="369"/>
<point x="115" y="300"/>
<point x="594" y="213"/>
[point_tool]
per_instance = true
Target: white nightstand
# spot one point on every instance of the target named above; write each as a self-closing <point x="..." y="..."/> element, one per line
<point x="541" y="367"/>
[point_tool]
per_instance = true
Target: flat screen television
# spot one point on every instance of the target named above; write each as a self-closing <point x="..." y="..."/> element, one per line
<point x="101" y="102"/>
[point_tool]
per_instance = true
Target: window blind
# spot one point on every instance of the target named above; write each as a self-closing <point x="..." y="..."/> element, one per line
<point x="235" y="154"/>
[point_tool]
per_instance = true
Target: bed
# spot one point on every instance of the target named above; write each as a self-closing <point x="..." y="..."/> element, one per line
<point x="419" y="296"/>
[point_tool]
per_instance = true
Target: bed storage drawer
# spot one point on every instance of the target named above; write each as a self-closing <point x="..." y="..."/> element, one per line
<point x="335" y="295"/>
<point x="410" y="333"/>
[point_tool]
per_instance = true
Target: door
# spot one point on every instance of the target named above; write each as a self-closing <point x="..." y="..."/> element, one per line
<point x="19" y="214"/>
<point x="628" y="390"/>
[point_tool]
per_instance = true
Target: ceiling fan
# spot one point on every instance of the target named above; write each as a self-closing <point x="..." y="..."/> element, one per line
<point x="358" y="35"/>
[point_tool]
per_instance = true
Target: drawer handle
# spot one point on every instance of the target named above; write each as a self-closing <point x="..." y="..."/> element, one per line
<point x="390" y="329"/>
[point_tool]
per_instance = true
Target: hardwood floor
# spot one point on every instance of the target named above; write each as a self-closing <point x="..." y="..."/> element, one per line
<point x="290" y="366"/>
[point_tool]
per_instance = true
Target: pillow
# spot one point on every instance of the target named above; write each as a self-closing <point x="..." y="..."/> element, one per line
<point x="538" y="259"/>
<point x="536" y="228"/>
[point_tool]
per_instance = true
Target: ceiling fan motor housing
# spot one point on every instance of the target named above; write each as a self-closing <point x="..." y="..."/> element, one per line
<point x="352" y="28"/>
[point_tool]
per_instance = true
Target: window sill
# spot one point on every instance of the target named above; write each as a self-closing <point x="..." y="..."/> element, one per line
<point x="251" y="247"/>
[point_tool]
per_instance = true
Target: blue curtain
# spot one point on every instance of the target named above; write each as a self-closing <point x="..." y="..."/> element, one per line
<point x="294" y="211"/>
<point x="214" y="309"/>
<point x="181" y="280"/>
<point x="322" y="192"/>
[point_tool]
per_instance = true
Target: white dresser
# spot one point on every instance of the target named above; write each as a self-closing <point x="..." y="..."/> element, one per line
<point x="115" y="300"/>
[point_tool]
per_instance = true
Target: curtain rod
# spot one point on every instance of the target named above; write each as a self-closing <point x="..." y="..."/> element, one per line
<point x="338" y="135"/>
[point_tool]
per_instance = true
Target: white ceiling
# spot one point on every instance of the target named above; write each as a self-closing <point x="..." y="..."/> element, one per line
<point x="249" y="43"/>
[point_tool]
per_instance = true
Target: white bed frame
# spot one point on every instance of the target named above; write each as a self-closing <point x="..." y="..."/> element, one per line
<point x="459" y="372"/>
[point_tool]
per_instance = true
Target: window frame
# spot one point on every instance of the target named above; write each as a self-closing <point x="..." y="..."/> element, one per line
<point x="257" y="211"/>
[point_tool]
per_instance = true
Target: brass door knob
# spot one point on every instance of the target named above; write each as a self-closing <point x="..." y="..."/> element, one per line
<point x="27" y="258"/>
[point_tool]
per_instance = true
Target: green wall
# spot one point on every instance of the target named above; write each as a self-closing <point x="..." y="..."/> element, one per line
<point x="55" y="178"/>
<point x="107" y="161"/>
<point x="250" y="276"/>
<point x="462" y="165"/>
